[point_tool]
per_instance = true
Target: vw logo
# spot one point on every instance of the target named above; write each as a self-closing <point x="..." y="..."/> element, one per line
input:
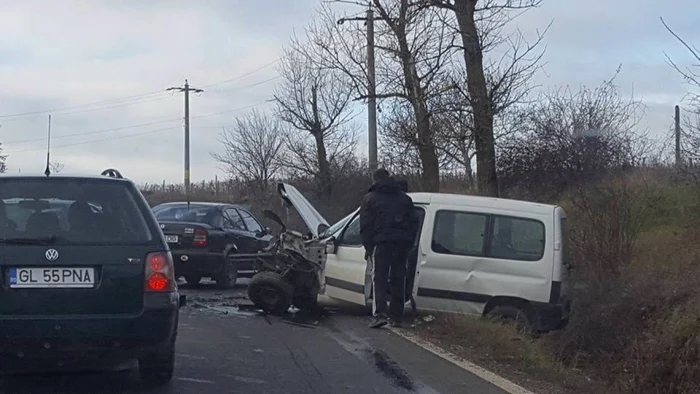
<point x="162" y="226"/>
<point x="51" y="255"/>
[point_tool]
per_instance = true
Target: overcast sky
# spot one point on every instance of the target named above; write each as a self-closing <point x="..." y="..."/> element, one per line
<point x="56" y="56"/>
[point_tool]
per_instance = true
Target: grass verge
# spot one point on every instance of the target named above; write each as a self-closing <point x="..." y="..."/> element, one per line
<point x="502" y="350"/>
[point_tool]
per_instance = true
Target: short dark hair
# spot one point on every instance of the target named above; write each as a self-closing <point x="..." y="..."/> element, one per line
<point x="381" y="175"/>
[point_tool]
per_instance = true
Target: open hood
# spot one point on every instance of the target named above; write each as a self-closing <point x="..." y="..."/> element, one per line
<point x="313" y="220"/>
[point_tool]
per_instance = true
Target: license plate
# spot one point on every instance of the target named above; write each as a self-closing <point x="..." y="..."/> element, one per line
<point x="52" y="278"/>
<point x="171" y="239"/>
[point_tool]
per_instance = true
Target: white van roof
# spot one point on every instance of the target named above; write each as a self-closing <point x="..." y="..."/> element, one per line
<point x="482" y="202"/>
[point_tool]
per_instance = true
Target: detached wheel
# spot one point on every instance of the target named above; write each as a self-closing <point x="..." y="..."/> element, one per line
<point x="156" y="369"/>
<point x="270" y="292"/>
<point x="227" y="278"/>
<point x="193" y="279"/>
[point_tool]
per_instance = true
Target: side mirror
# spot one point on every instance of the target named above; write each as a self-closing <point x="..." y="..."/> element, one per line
<point x="263" y="232"/>
<point x="332" y="246"/>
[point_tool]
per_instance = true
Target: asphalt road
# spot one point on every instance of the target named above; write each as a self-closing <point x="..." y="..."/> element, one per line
<point x="226" y="347"/>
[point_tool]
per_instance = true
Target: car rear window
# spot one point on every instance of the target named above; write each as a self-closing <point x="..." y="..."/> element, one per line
<point x="183" y="213"/>
<point x="76" y="211"/>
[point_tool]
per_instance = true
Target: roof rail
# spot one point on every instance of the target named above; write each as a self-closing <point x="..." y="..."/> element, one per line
<point x="112" y="173"/>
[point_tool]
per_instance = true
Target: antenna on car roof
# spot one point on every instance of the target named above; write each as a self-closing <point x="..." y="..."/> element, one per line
<point x="47" y="171"/>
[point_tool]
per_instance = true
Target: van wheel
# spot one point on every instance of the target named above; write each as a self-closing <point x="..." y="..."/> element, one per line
<point x="271" y="292"/>
<point x="512" y="314"/>
<point x="227" y="278"/>
<point x="562" y="324"/>
<point x="156" y="369"/>
<point x="193" y="279"/>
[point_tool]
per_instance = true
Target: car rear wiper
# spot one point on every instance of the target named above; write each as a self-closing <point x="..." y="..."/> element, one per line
<point x="29" y="241"/>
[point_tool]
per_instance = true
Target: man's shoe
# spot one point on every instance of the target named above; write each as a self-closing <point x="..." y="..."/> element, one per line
<point x="395" y="324"/>
<point x="378" y="322"/>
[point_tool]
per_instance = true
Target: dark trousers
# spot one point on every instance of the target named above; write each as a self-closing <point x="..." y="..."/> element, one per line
<point x="390" y="257"/>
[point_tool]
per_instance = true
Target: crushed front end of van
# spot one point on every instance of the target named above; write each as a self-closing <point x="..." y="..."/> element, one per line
<point x="290" y="268"/>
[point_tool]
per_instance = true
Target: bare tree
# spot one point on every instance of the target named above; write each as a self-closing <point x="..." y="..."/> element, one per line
<point x="492" y="86"/>
<point x="399" y="140"/>
<point x="252" y="149"/>
<point x="316" y="101"/>
<point x="411" y="46"/>
<point x="3" y="161"/>
<point x="56" y="167"/>
<point x="568" y="138"/>
<point x="301" y="157"/>
<point x="690" y="137"/>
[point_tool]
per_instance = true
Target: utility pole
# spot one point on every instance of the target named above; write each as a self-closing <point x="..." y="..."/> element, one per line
<point x="677" y="121"/>
<point x="372" y="93"/>
<point x="187" y="89"/>
<point x="371" y="86"/>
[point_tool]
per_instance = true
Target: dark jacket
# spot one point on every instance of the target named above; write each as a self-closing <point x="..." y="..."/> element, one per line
<point x="387" y="215"/>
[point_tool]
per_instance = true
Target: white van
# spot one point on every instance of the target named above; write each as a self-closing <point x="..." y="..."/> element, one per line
<point x="474" y="255"/>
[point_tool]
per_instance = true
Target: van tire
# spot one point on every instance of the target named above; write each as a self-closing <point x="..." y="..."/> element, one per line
<point x="271" y="292"/>
<point x="563" y="323"/>
<point x="513" y="314"/>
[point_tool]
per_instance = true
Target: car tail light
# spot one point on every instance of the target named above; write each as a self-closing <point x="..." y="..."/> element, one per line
<point x="160" y="273"/>
<point x="200" y="237"/>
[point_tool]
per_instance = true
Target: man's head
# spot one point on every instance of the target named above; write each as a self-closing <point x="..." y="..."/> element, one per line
<point x="381" y="175"/>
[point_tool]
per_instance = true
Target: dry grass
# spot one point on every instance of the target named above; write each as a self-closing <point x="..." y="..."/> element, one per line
<point x="501" y="349"/>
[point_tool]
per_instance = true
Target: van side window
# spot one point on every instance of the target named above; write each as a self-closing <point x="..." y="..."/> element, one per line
<point x="460" y="233"/>
<point x="517" y="239"/>
<point x="351" y="236"/>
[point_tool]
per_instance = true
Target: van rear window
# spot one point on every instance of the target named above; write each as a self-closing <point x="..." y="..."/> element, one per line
<point x="506" y="237"/>
<point x="73" y="210"/>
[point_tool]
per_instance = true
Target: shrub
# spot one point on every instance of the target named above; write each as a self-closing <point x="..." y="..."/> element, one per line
<point x="637" y="314"/>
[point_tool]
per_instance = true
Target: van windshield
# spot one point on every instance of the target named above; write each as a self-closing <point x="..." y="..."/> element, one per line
<point x="70" y="211"/>
<point x="333" y="230"/>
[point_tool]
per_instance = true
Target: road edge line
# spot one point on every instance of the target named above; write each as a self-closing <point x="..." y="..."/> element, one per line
<point x="496" y="380"/>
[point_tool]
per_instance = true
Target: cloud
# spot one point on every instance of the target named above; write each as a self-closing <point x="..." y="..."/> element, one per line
<point x="55" y="55"/>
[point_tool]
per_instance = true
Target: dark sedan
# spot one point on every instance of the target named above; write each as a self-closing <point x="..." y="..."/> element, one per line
<point x="204" y="236"/>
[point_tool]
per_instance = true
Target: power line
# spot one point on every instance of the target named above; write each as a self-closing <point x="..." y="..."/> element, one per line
<point x="91" y="109"/>
<point x="96" y="141"/>
<point x="154" y="99"/>
<point x="245" y="87"/>
<point x="243" y="75"/>
<point x="128" y="135"/>
<point x="96" y="131"/>
<point x="127" y="98"/>
<point x="140" y="125"/>
<point x="42" y="112"/>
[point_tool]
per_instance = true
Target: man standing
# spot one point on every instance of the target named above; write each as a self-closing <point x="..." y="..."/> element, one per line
<point x="388" y="227"/>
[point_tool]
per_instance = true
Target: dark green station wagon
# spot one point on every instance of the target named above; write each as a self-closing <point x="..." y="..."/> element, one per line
<point x="86" y="275"/>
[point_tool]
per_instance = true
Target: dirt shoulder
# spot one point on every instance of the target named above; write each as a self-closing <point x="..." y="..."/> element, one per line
<point x="502" y="350"/>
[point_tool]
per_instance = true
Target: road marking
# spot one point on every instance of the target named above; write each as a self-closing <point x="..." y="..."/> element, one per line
<point x="196" y="380"/>
<point x="190" y="356"/>
<point x="245" y="379"/>
<point x="498" y="381"/>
